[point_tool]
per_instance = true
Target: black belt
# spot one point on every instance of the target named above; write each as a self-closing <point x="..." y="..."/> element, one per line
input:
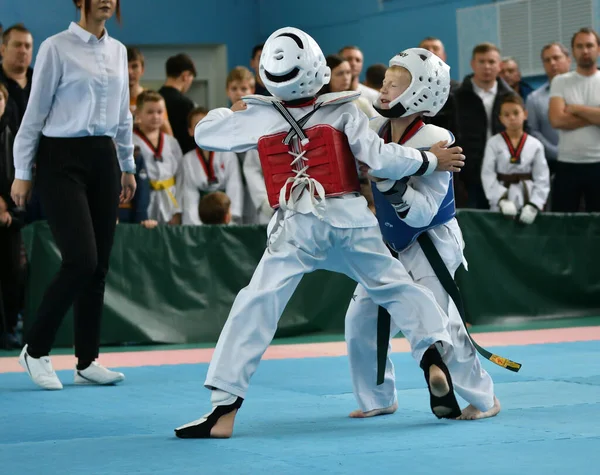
<point x="449" y="285"/>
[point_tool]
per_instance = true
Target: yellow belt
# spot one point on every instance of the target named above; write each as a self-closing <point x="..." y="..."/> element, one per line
<point x="158" y="185"/>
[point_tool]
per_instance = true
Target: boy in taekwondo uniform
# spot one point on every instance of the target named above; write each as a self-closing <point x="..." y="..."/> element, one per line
<point x="308" y="149"/>
<point x="417" y="218"/>
<point x="162" y="156"/>
<point x="205" y="172"/>
<point x="515" y="173"/>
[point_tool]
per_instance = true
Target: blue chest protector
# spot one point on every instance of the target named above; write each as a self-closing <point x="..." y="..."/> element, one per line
<point x="396" y="233"/>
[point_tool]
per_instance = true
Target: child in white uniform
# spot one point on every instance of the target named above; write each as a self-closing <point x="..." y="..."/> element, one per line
<point x="205" y="172"/>
<point x="515" y="173"/>
<point x="307" y="148"/>
<point x="409" y="211"/>
<point x="162" y="156"/>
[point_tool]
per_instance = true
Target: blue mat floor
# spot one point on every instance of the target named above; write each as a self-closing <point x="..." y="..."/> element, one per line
<point x="294" y="421"/>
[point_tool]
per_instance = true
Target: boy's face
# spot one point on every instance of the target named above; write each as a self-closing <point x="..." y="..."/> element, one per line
<point x="152" y="115"/>
<point x="195" y="119"/>
<point x="512" y="116"/>
<point x="238" y="89"/>
<point x="395" y="82"/>
<point x="486" y="66"/>
<point x="136" y="71"/>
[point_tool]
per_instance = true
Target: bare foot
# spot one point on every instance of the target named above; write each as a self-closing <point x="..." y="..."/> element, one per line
<point x="224" y="426"/>
<point x="358" y="414"/>
<point x="471" y="413"/>
<point x="439" y="388"/>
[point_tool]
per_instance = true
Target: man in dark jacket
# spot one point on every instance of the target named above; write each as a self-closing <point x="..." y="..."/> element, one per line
<point x="11" y="222"/>
<point x="478" y="102"/>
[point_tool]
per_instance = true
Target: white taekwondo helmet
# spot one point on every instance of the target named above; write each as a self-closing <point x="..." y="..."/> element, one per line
<point x="429" y="87"/>
<point x="292" y="65"/>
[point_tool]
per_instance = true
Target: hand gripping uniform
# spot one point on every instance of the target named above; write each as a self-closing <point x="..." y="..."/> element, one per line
<point x="416" y="217"/>
<point x="308" y="149"/>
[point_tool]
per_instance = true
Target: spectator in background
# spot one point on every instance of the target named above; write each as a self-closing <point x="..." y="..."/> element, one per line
<point x="354" y="56"/>
<point x="16" y="72"/>
<point x="215" y="208"/>
<point x="162" y="158"/>
<point x="511" y="73"/>
<point x="240" y="82"/>
<point x="136" y="210"/>
<point x="446" y="118"/>
<point x="181" y="72"/>
<point x="341" y="80"/>
<point x="575" y="111"/>
<point x="254" y="62"/>
<point x="515" y="173"/>
<point x="10" y="236"/>
<point x="256" y="207"/>
<point x="135" y="62"/>
<point x="556" y="60"/>
<point x="374" y="76"/>
<point x="436" y="46"/>
<point x="478" y="102"/>
<point x="135" y="67"/>
<point x="204" y="172"/>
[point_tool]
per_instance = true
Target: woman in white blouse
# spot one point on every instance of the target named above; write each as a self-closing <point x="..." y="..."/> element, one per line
<point x="77" y="111"/>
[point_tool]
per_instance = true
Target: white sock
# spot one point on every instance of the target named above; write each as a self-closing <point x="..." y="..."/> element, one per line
<point x="221" y="398"/>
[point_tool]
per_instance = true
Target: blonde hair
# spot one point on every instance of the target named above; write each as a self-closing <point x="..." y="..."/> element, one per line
<point x="240" y="73"/>
<point x="147" y="96"/>
<point x="400" y="70"/>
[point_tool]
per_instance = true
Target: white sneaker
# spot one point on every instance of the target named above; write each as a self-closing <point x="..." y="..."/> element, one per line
<point x="40" y="370"/>
<point x="97" y="374"/>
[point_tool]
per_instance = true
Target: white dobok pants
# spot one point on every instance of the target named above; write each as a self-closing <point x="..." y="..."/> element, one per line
<point x="305" y="245"/>
<point x="469" y="378"/>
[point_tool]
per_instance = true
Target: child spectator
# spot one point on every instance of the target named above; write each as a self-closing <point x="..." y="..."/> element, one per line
<point x="515" y="174"/>
<point x="162" y="157"/>
<point x="215" y="208"/>
<point x="204" y="172"/>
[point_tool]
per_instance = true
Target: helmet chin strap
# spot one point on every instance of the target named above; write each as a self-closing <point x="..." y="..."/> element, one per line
<point x="395" y="111"/>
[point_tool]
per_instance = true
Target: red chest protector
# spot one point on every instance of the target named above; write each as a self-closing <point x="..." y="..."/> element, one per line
<point x="327" y="156"/>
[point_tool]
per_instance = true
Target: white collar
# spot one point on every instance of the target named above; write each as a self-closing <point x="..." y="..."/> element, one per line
<point x="493" y="90"/>
<point x="85" y="35"/>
